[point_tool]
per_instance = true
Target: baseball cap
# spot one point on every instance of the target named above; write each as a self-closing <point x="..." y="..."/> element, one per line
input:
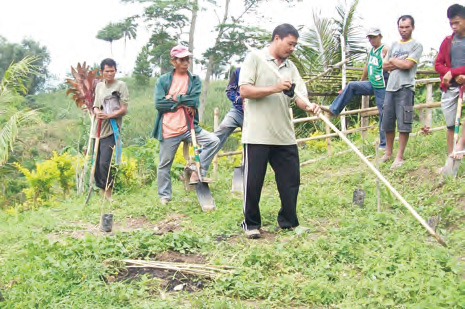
<point x="179" y="51"/>
<point x="374" y="31"/>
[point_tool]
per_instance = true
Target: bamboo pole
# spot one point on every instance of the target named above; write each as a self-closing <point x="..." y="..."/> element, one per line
<point x="364" y="159"/>
<point x="322" y="158"/>
<point x="327" y="131"/>
<point x="335" y="66"/>
<point x="428" y="111"/>
<point x="306" y="119"/>
<point x="306" y="139"/>
<point x="364" y="119"/>
<point x="344" y="80"/>
<point x="216" y="116"/>
<point x="232" y="153"/>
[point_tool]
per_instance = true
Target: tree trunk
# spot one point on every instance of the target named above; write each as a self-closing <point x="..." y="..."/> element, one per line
<point x="211" y="62"/>
<point x="195" y="9"/>
<point x="206" y="84"/>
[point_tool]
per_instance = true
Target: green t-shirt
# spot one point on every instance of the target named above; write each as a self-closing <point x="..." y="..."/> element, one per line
<point x="375" y="67"/>
<point x="267" y="120"/>
<point x="102" y="91"/>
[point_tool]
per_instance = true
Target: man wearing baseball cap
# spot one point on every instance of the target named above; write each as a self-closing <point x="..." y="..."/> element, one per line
<point x="376" y="83"/>
<point x="176" y="100"/>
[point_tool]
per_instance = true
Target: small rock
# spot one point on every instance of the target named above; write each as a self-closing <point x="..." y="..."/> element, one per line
<point x="179" y="287"/>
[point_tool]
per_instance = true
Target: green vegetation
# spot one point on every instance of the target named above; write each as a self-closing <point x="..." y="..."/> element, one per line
<point x="53" y="256"/>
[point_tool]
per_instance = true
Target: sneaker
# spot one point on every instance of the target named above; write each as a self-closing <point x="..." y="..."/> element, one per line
<point x="164" y="201"/>
<point x="252" y="234"/>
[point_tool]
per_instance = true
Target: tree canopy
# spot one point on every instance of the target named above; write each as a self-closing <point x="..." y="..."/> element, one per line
<point x="13" y="53"/>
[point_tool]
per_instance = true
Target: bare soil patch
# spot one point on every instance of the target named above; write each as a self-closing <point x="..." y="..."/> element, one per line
<point x="171" y="281"/>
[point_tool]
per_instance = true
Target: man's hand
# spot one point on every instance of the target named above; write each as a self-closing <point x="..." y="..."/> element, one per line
<point x="447" y="78"/>
<point x="313" y="108"/>
<point x="460" y="79"/>
<point x="100" y="114"/>
<point x="190" y="110"/>
<point x="389" y="66"/>
<point x="283" y="84"/>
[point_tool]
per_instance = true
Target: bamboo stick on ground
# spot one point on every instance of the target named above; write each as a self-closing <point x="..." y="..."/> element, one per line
<point x="211" y="271"/>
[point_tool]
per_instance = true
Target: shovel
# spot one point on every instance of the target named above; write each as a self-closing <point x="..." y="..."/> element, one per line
<point x="452" y="165"/>
<point x="201" y="188"/>
<point x="238" y="179"/>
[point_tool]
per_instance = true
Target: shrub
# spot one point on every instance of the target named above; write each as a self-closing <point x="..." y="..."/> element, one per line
<point x="40" y="180"/>
<point x="66" y="170"/>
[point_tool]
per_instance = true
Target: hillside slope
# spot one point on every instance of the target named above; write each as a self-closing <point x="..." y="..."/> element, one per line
<point x="351" y="257"/>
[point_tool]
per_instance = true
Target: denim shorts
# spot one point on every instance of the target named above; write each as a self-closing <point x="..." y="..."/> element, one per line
<point x="449" y="100"/>
<point x="398" y="105"/>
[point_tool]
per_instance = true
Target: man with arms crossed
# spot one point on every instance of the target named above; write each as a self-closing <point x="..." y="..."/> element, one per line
<point x="450" y="64"/>
<point x="267" y="133"/>
<point x="401" y="61"/>
<point x="176" y="100"/>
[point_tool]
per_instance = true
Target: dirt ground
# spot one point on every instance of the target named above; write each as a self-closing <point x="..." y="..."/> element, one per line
<point x="79" y="229"/>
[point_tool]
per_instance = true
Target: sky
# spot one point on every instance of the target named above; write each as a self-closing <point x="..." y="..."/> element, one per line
<point x="69" y="28"/>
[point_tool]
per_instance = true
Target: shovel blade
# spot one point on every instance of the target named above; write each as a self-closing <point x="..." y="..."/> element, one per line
<point x="204" y="196"/>
<point x="238" y="180"/>
<point x="452" y="167"/>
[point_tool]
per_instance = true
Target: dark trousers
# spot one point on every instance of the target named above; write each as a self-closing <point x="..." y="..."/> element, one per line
<point x="285" y="162"/>
<point x="104" y="154"/>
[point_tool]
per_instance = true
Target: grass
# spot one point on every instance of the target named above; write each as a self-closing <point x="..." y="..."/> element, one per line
<point x="352" y="256"/>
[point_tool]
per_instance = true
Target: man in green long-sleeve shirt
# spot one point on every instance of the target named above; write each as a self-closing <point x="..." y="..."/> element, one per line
<point x="176" y="100"/>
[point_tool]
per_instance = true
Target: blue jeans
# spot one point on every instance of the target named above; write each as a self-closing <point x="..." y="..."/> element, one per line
<point x="233" y="119"/>
<point x="361" y="88"/>
<point x="168" y="148"/>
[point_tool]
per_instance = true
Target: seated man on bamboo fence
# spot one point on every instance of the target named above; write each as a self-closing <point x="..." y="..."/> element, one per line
<point x="376" y="83"/>
<point x="176" y="100"/>
<point x="110" y="105"/>
<point x="450" y="64"/>
<point x="235" y="116"/>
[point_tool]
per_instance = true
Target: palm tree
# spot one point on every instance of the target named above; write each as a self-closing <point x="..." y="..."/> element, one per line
<point x="12" y="85"/>
<point x="111" y="32"/>
<point x="129" y="29"/>
<point x="320" y="47"/>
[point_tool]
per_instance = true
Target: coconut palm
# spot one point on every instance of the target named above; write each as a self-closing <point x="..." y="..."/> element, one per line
<point x="12" y="86"/>
<point x="320" y="46"/>
<point x="129" y="29"/>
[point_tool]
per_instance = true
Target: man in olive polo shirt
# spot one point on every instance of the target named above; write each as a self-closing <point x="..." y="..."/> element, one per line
<point x="268" y="133"/>
<point x="110" y="105"/>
